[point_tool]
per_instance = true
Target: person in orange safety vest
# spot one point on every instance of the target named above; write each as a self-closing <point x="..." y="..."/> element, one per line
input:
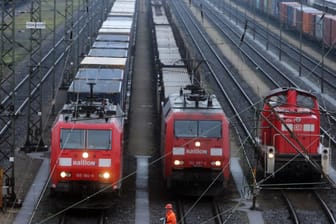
<point x="170" y="215"/>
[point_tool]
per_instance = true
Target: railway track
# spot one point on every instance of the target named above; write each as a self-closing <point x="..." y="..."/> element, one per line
<point x="272" y="34"/>
<point x="298" y="202"/>
<point x="201" y="211"/>
<point x="239" y="100"/>
<point x="209" y="210"/>
<point x="232" y="87"/>
<point x="243" y="112"/>
<point x="312" y="67"/>
<point x="273" y="72"/>
<point x="83" y="216"/>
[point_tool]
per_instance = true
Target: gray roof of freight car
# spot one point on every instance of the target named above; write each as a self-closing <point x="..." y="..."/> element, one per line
<point x="103" y="52"/>
<point x="100" y="73"/>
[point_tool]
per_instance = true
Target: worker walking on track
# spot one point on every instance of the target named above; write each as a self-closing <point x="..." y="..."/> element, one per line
<point x="170" y="214"/>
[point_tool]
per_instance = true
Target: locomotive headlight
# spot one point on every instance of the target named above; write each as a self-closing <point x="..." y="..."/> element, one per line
<point x="64" y="174"/>
<point x="216" y="163"/>
<point x="106" y="175"/>
<point x="178" y="162"/>
<point x="85" y="155"/>
<point x="270" y="154"/>
<point x="270" y="161"/>
<point x="197" y="144"/>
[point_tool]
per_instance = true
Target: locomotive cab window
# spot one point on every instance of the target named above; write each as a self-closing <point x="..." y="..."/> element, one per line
<point x="99" y="139"/>
<point x="305" y="101"/>
<point x="185" y="128"/>
<point x="72" y="139"/>
<point x="89" y="139"/>
<point x="196" y="128"/>
<point x="277" y="100"/>
<point x="210" y="129"/>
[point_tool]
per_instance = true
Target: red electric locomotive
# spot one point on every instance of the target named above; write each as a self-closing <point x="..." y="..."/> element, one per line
<point x="87" y="136"/>
<point x="195" y="140"/>
<point x="87" y="148"/>
<point x="290" y="140"/>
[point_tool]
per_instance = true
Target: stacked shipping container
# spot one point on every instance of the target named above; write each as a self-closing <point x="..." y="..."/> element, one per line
<point x="314" y="23"/>
<point x="329" y="30"/>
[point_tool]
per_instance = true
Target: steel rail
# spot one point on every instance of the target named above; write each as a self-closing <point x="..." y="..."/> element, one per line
<point x="213" y="73"/>
<point x="291" y="208"/>
<point x="264" y="58"/>
<point x="180" y="212"/>
<point x="264" y="33"/>
<point x="217" y="212"/>
<point x="325" y="207"/>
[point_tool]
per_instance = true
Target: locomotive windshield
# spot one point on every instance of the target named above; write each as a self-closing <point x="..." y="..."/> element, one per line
<point x="98" y="139"/>
<point x="197" y="128"/>
<point x="303" y="100"/>
<point x="72" y="139"/>
<point x="89" y="139"/>
<point x="277" y="100"/>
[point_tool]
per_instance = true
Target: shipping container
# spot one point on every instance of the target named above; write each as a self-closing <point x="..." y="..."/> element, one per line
<point x="309" y="15"/>
<point x="318" y="27"/>
<point x="329" y="30"/>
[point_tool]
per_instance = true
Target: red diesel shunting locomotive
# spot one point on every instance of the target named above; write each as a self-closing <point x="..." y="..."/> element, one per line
<point x="290" y="140"/>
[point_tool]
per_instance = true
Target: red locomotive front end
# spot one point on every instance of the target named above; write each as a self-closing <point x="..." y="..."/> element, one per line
<point x="86" y="154"/>
<point x="290" y="135"/>
<point x="195" y="142"/>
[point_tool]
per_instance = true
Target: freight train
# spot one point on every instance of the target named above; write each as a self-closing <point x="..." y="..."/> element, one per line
<point x="316" y="24"/>
<point x="290" y="141"/>
<point x="195" y="146"/>
<point x="87" y="135"/>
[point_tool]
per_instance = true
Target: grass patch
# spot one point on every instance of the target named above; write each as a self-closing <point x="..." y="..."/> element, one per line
<point x="22" y="35"/>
